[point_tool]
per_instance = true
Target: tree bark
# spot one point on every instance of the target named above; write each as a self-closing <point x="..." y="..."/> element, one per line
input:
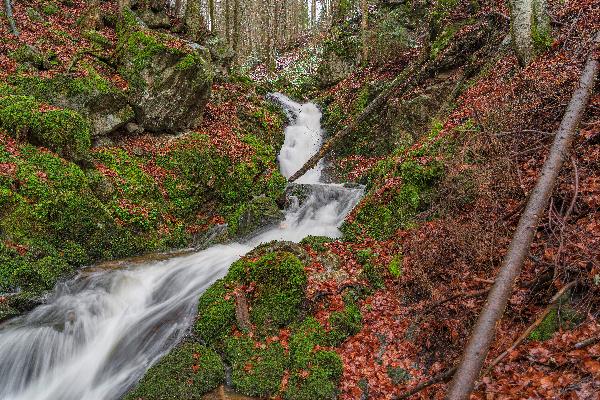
<point x="10" y="17"/>
<point x="193" y="20"/>
<point x="211" y="15"/>
<point x="483" y="333"/>
<point x="551" y="306"/>
<point x="122" y="5"/>
<point x="236" y="26"/>
<point x="529" y="21"/>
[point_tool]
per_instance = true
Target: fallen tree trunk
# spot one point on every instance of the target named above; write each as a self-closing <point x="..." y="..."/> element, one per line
<point x="483" y="333"/>
<point x="402" y="82"/>
<point x="10" y="17"/>
<point x="551" y="306"/>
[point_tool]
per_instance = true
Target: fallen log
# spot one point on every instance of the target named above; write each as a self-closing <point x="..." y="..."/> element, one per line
<point x="482" y="336"/>
<point x="551" y="306"/>
<point x="404" y="81"/>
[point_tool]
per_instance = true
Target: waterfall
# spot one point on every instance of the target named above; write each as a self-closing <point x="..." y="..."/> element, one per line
<point x="101" y="331"/>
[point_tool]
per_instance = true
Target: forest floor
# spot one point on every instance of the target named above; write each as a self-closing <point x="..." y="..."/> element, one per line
<point x="425" y="316"/>
<point x="433" y="273"/>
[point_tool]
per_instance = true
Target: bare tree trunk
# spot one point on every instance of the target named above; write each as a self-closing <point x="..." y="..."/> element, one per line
<point x="122" y="4"/>
<point x="530" y="23"/>
<point x="227" y="22"/>
<point x="211" y="15"/>
<point x="177" y="7"/>
<point x="483" y="333"/>
<point x="193" y="19"/>
<point x="10" y="17"/>
<point x="236" y="27"/>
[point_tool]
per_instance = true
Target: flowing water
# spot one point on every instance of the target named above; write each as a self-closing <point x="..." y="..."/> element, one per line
<point x="100" y="332"/>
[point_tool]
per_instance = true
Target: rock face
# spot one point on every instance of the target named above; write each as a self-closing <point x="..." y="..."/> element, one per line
<point x="155" y="20"/>
<point x="106" y="112"/>
<point x="169" y="80"/>
<point x="260" y="212"/>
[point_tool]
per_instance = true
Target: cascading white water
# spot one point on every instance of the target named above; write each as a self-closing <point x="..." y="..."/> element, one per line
<point x="101" y="331"/>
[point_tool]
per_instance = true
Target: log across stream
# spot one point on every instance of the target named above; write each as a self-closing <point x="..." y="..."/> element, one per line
<point x="101" y="331"/>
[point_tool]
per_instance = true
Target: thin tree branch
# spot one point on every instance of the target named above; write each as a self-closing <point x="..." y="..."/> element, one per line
<point x="531" y="327"/>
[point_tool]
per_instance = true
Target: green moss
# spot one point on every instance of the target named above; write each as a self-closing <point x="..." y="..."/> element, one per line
<point x="397" y="375"/>
<point x="48" y="89"/>
<point x="395" y="266"/>
<point x="382" y="215"/>
<point x="318" y="381"/>
<point x="139" y="47"/>
<point x="189" y="61"/>
<point x="344" y="324"/>
<point x="541" y="35"/>
<point x="442" y="41"/>
<point x="216" y="314"/>
<point x="97" y="38"/>
<point x="63" y="131"/>
<point x="187" y="372"/>
<point x="255" y="371"/>
<point x="317" y="242"/>
<point x="41" y="274"/>
<point x="280" y="283"/>
<point x="546" y="328"/>
<point x="17" y="114"/>
<point x="306" y="336"/>
<point x="50" y="8"/>
<point x="372" y="272"/>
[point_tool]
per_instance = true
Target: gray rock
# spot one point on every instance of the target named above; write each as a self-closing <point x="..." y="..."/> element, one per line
<point x="106" y="111"/>
<point x="260" y="212"/>
<point x="155" y="20"/>
<point x="133" y="129"/>
<point x="168" y="87"/>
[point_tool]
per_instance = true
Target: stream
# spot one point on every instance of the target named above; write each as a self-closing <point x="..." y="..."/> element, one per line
<point x="101" y="331"/>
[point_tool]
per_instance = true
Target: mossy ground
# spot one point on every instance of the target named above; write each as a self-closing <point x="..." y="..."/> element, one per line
<point x="187" y="372"/>
<point x="274" y="283"/>
<point x="58" y="215"/>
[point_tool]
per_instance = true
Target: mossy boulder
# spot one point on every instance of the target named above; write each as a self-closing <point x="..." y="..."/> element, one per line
<point x="272" y="280"/>
<point x="64" y="131"/>
<point x="169" y="79"/>
<point x="260" y="212"/>
<point x="257" y="371"/>
<point x="101" y="103"/>
<point x="154" y="19"/>
<point x="278" y="280"/>
<point x="187" y="372"/>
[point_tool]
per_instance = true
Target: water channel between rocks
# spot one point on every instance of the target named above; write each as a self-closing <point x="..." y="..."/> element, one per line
<point x="101" y="331"/>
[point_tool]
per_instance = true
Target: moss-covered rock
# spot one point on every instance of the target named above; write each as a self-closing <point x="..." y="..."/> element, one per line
<point x="63" y="131"/>
<point x="256" y="370"/>
<point x="260" y="212"/>
<point x="216" y="314"/>
<point x="344" y="324"/>
<point x="101" y="103"/>
<point x="187" y="372"/>
<point x="169" y="80"/>
<point x="280" y="282"/>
